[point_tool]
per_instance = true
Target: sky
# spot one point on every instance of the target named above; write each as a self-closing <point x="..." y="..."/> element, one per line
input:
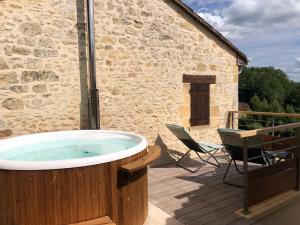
<point x="267" y="31"/>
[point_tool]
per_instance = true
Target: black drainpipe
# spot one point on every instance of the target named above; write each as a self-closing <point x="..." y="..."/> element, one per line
<point x="94" y="111"/>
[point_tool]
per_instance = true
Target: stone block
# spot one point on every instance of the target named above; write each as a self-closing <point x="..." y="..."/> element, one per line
<point x="201" y="67"/>
<point x="130" y="30"/>
<point x="186" y="100"/>
<point x="8" y="78"/>
<point x="27" y="40"/>
<point x="20" y="50"/>
<point x="186" y="123"/>
<point x="235" y="78"/>
<point x="19" y="88"/>
<point x="42" y="75"/>
<point x="2" y="124"/>
<point x="185" y="111"/>
<point x="214" y="111"/>
<point x="213" y="123"/>
<point x="187" y="26"/>
<point x="13" y="104"/>
<point x="39" y="88"/>
<point x="31" y="29"/>
<point x="201" y="38"/>
<point x="29" y="76"/>
<point x="33" y="63"/>
<point x="46" y="43"/>
<point x="3" y="64"/>
<point x="45" y="53"/>
<point x="186" y="88"/>
<point x="107" y="40"/>
<point x="213" y="67"/>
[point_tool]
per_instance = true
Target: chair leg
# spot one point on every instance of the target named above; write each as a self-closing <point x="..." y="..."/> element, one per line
<point x="236" y="167"/>
<point x="204" y="161"/>
<point x="211" y="156"/>
<point x="224" y="177"/>
<point x="226" y="155"/>
<point x="183" y="156"/>
<point x="192" y="171"/>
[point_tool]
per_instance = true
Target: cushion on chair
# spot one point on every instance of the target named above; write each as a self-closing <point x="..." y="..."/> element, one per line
<point x="210" y="145"/>
<point x="279" y="154"/>
<point x="182" y="134"/>
<point x="179" y="131"/>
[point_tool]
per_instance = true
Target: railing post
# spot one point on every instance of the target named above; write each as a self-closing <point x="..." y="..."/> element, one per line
<point x="273" y="125"/>
<point x="297" y="156"/>
<point x="232" y="120"/>
<point x="229" y="122"/>
<point x="245" y="176"/>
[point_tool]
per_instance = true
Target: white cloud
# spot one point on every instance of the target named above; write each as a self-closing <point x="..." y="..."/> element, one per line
<point x="267" y="30"/>
<point x="297" y="60"/>
<point x="204" y="2"/>
<point x="229" y="30"/>
<point x="256" y="17"/>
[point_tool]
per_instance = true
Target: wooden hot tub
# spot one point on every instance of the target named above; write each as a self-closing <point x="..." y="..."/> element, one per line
<point x="45" y="193"/>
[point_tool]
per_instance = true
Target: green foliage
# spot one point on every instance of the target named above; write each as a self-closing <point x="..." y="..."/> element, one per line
<point x="267" y="89"/>
<point x="265" y="82"/>
<point x="275" y="106"/>
<point x="290" y="109"/>
<point x="262" y="86"/>
<point x="293" y="96"/>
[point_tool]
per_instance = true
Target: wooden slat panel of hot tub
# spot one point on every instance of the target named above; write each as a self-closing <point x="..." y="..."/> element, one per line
<point x="101" y="221"/>
<point x="60" y="197"/>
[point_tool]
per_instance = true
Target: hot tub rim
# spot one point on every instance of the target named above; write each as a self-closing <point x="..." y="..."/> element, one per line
<point x="73" y="163"/>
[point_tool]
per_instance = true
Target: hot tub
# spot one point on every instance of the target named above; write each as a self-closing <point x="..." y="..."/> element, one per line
<point x="68" y="177"/>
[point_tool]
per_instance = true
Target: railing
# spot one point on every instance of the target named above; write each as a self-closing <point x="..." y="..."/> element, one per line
<point x="258" y="183"/>
<point x="236" y="118"/>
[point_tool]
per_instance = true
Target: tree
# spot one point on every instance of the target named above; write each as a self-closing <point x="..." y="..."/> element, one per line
<point x="275" y="106"/>
<point x="270" y="88"/>
<point x="267" y="89"/>
<point x="293" y="96"/>
<point x="265" y="82"/>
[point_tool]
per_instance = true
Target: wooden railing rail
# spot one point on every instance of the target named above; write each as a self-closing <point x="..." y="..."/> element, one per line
<point x="291" y="115"/>
<point x="251" y="133"/>
<point x="234" y="120"/>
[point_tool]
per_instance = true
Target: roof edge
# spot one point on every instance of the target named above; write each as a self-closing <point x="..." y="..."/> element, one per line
<point x="191" y="12"/>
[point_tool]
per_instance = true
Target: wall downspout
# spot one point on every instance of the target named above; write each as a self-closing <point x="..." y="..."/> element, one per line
<point x="94" y="108"/>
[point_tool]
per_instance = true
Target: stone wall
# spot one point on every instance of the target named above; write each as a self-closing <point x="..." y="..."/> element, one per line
<point x="143" y="49"/>
<point x="39" y="66"/>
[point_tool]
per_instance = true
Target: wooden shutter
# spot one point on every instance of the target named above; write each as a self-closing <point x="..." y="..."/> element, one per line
<point x="199" y="104"/>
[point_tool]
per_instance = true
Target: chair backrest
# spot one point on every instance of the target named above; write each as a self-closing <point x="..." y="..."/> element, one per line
<point x="234" y="146"/>
<point x="181" y="133"/>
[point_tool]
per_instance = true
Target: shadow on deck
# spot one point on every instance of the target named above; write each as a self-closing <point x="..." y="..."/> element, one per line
<point x="197" y="198"/>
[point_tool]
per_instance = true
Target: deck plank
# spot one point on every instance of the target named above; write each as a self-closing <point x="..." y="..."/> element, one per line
<point x="197" y="198"/>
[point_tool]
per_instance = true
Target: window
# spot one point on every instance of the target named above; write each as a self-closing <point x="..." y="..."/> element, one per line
<point x="199" y="98"/>
<point x="199" y="104"/>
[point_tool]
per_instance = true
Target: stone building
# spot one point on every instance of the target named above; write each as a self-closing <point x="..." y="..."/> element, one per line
<point x="143" y="48"/>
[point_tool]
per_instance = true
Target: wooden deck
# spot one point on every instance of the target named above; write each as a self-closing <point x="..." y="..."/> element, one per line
<point x="199" y="198"/>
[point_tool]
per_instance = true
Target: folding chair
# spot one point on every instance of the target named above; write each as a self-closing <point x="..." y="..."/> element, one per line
<point x="197" y="147"/>
<point x="256" y="154"/>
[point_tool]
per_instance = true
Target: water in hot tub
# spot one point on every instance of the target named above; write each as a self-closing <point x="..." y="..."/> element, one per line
<point x="65" y="150"/>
